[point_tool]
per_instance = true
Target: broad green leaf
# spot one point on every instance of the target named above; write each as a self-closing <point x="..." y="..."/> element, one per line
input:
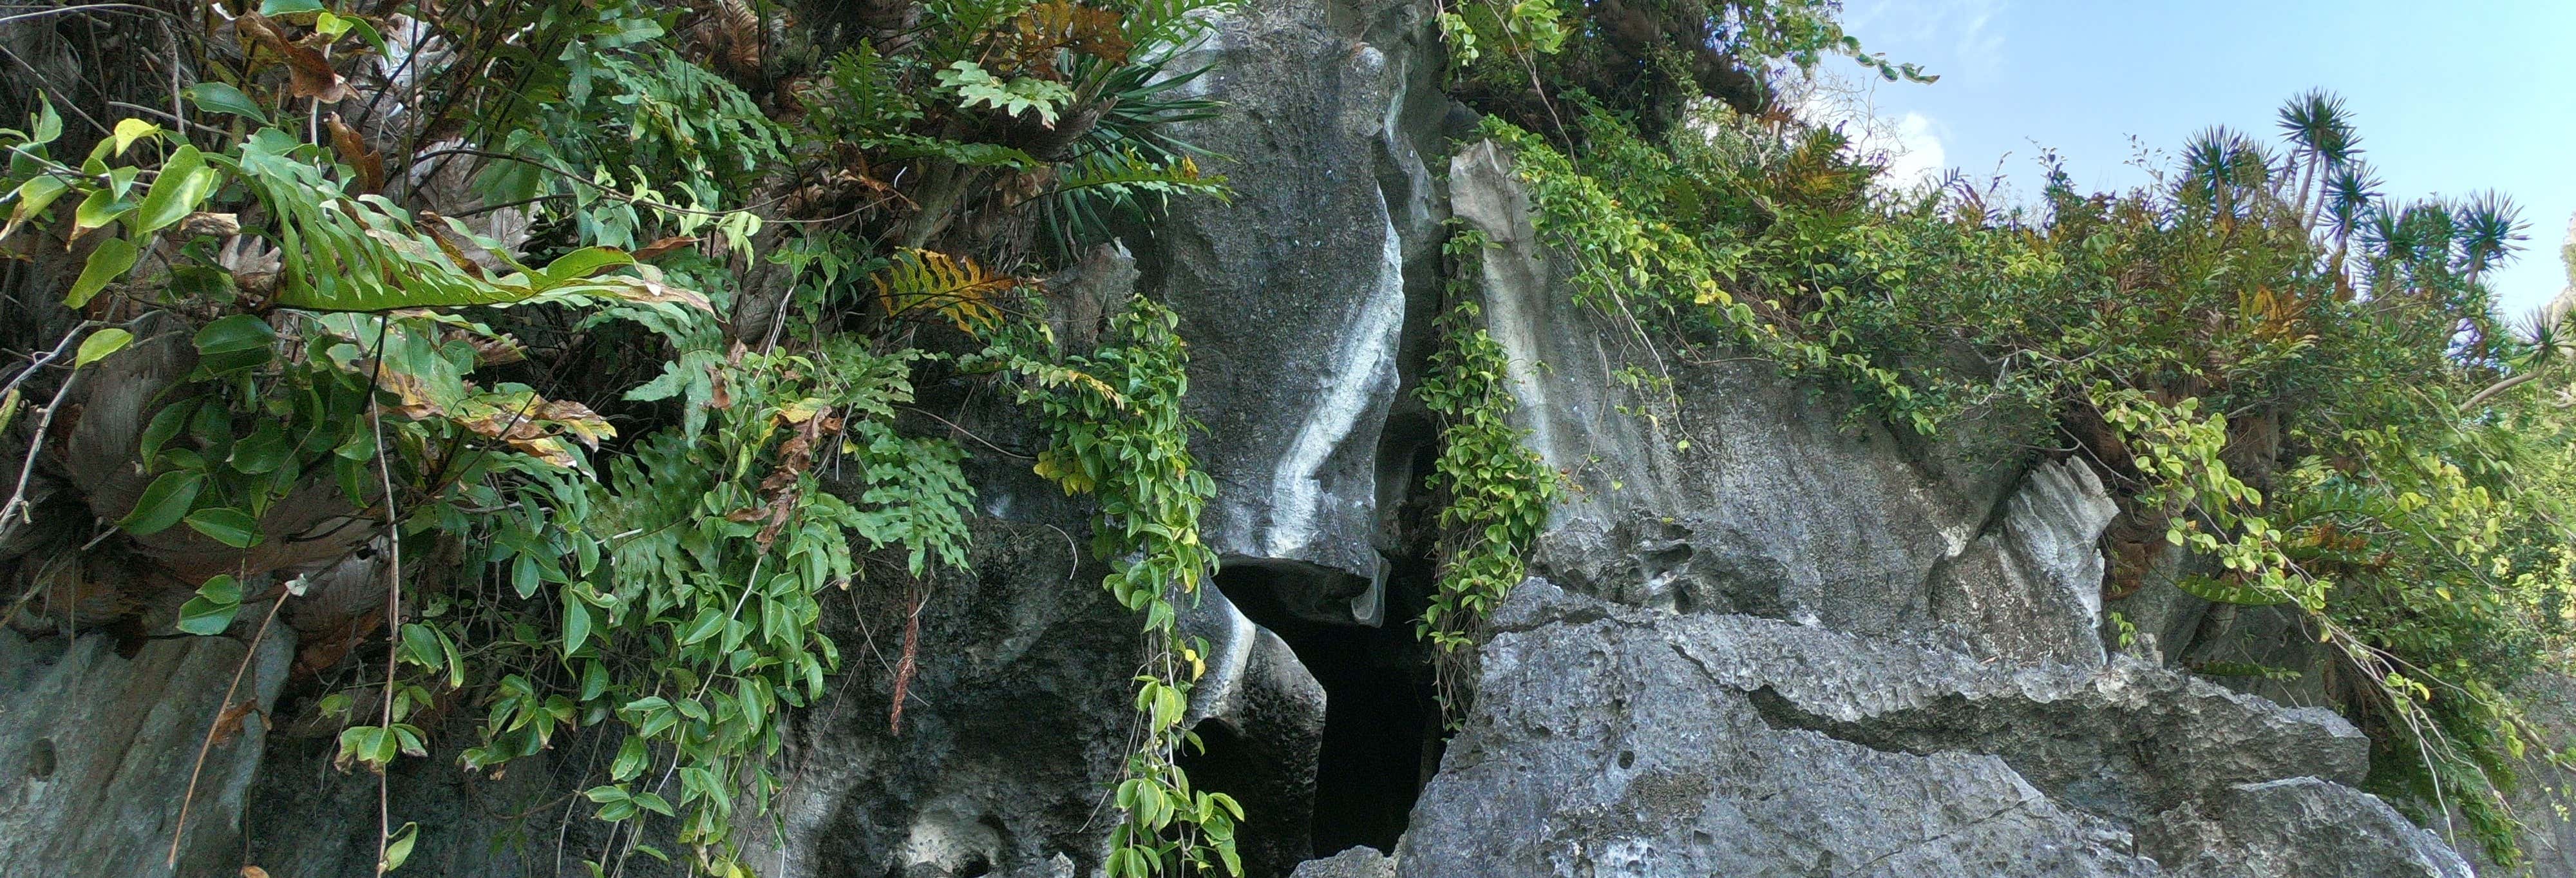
<point x="205" y="618"/>
<point x="163" y="503"/>
<point x="33" y="197"/>
<point x="165" y="424"/>
<point x="184" y="183"/>
<point x="234" y="334"/>
<point x="100" y="344"/>
<point x="631" y="761"/>
<point x="576" y="623"/>
<point x="399" y="849"/>
<point x="217" y="97"/>
<point x="212" y="609"/>
<point x="49" y="124"/>
<point x="455" y="661"/>
<point x="100" y="208"/>
<point x="231" y="527"/>
<point x="130" y="130"/>
<point x="111" y="260"/>
<point x="583" y="263"/>
<point x="654" y="803"/>
<point x="274" y="8"/>
<point x="420" y="645"/>
<point x="708" y="622"/>
<point x="234" y="343"/>
<point x="222" y="588"/>
<point x="263" y="451"/>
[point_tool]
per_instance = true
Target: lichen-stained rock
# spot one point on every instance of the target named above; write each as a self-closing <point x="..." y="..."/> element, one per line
<point x="1600" y="746"/>
<point x="1294" y="294"/>
<point x="96" y="752"/>
<point x="2297" y="826"/>
<point x="1754" y="494"/>
<point x="2030" y="589"/>
<point x="1613" y="740"/>
<point x="1015" y="723"/>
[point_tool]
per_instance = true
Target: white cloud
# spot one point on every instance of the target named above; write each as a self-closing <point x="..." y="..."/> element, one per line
<point x="1909" y="145"/>
<point x="1912" y="150"/>
<point x="1962" y="29"/>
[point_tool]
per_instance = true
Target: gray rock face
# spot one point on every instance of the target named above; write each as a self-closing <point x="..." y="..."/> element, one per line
<point x="1295" y="296"/>
<point x="1261" y="716"/>
<point x="1015" y="723"/>
<point x="1359" y="862"/>
<point x="1755" y="495"/>
<point x="2297" y="826"/>
<point x="1790" y="642"/>
<point x="2030" y="591"/>
<point x="1614" y="739"/>
<point x="96" y="752"/>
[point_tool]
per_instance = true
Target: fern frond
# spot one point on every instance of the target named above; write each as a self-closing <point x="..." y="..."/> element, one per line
<point x="955" y="287"/>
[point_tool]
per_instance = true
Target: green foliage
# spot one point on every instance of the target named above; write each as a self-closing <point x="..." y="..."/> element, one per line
<point x="687" y="584"/>
<point x="1652" y="60"/>
<point x="657" y="581"/>
<point x="2261" y="356"/>
<point x="1496" y="494"/>
<point x="1118" y="433"/>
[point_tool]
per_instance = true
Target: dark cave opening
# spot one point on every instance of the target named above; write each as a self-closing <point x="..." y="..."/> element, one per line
<point x="1382" y="736"/>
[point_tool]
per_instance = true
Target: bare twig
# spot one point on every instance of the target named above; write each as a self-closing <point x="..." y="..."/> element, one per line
<point x="17" y="504"/>
<point x="393" y="596"/>
<point x="221" y="708"/>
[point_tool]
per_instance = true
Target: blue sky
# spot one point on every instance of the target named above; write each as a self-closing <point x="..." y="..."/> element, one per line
<point x="2450" y="98"/>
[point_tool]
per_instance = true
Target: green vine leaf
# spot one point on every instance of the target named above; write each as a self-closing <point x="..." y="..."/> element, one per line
<point x="211" y="611"/>
<point x="163" y="503"/>
<point x="111" y="260"/>
<point x="99" y="345"/>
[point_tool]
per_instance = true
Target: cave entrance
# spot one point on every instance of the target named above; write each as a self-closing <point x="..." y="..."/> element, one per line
<point x="1382" y="736"/>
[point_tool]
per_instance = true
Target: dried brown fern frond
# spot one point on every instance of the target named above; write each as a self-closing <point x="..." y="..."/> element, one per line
<point x="1059" y="24"/>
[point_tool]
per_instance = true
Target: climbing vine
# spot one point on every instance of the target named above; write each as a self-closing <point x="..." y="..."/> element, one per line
<point x="1118" y="434"/>
<point x="579" y="331"/>
<point x="1496" y="493"/>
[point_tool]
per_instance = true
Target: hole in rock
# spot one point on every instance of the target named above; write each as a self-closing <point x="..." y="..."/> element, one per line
<point x="1382" y="735"/>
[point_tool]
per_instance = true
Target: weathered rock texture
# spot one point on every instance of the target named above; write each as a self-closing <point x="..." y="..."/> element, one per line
<point x="1769" y="636"/>
<point x="1618" y="740"/>
<point x="1296" y="295"/>
<point x="1790" y="643"/>
<point x="97" y="751"/>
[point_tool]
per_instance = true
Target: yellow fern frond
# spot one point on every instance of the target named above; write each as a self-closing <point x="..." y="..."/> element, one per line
<point x="955" y="287"/>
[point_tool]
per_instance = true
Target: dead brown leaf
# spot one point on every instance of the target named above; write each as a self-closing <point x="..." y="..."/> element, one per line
<point x="663" y="246"/>
<point x="204" y="223"/>
<point x="353" y="150"/>
<point x="235" y="720"/>
<point x="309" y="73"/>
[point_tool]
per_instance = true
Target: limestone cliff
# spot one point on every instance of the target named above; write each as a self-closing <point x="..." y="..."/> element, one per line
<point x="1768" y="636"/>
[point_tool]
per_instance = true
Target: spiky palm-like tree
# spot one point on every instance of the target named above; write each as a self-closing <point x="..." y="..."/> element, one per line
<point x="2221" y="166"/>
<point x="2348" y="195"/>
<point x="2490" y="231"/>
<point x="2322" y="139"/>
<point x="2547" y="346"/>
